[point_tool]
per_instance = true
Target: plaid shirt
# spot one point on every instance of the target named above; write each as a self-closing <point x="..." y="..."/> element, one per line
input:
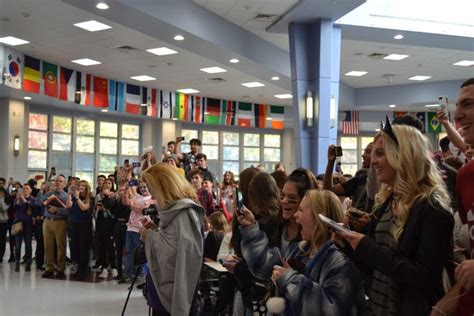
<point x="206" y="200"/>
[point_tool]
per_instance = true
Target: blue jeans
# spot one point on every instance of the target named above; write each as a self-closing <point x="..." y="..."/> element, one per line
<point x="26" y="235"/>
<point x="132" y="241"/>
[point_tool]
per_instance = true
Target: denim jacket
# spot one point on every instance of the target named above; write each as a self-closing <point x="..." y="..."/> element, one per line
<point x="329" y="285"/>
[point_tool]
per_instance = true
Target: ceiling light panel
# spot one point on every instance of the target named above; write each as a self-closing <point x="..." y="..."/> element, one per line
<point x="162" y="51"/>
<point x="188" y="91"/>
<point x="12" y="41"/>
<point x="396" y="57"/>
<point x="234" y="61"/>
<point x="86" y="62"/>
<point x="464" y="63"/>
<point x="356" y="73"/>
<point x="93" y="26"/>
<point x="275" y="78"/>
<point x="213" y="70"/>
<point x="419" y="78"/>
<point x="179" y="38"/>
<point x="102" y="5"/>
<point x="143" y="78"/>
<point x="254" y="84"/>
<point x="283" y="96"/>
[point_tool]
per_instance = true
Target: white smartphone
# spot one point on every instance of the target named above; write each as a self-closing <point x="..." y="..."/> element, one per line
<point x="333" y="224"/>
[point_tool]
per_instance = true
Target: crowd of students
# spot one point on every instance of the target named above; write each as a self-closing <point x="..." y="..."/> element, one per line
<point x="408" y="249"/>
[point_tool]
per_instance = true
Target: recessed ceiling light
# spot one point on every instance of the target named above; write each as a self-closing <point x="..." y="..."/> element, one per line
<point x="283" y="96"/>
<point x="392" y="106"/>
<point x="102" y="5"/>
<point x="162" y="51"/>
<point x="143" y="78"/>
<point x="396" y="57"/>
<point x="93" y="26"/>
<point x="105" y="110"/>
<point x="431" y="105"/>
<point x="356" y="73"/>
<point x="86" y="62"/>
<point x="179" y="38"/>
<point x="419" y="78"/>
<point x="143" y="104"/>
<point x="27" y="98"/>
<point x="188" y="90"/>
<point x="398" y="37"/>
<point x="234" y="61"/>
<point x="174" y="119"/>
<point x="13" y="41"/>
<point x="275" y="78"/>
<point x="465" y="63"/>
<point x="253" y="84"/>
<point x="269" y="118"/>
<point x="213" y="70"/>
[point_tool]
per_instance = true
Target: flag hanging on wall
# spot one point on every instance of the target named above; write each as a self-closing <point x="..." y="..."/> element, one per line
<point x="260" y="115"/>
<point x="50" y="79"/>
<point x="31" y="74"/>
<point x="277" y="113"/>
<point x="166" y="104"/>
<point x="2" y="63"/>
<point x="116" y="95"/>
<point x="422" y="117"/>
<point x="197" y="115"/>
<point x="101" y="92"/>
<point x="228" y="112"/>
<point x="434" y="126"/>
<point x="244" y="114"/>
<point x="213" y="111"/>
<point x="132" y="98"/>
<point x="181" y="106"/>
<point x="13" y="68"/>
<point x="67" y="84"/>
<point x="350" y="124"/>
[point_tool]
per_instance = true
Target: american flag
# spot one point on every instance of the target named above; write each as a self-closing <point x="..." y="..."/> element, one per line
<point x="350" y="124"/>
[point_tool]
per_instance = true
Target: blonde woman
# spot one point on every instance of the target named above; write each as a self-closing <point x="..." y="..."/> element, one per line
<point x="175" y="250"/>
<point x="410" y="242"/>
<point x="313" y="276"/>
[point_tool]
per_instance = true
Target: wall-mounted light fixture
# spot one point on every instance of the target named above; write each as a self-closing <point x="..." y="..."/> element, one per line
<point x="332" y="112"/>
<point x="309" y="110"/>
<point x="16" y="145"/>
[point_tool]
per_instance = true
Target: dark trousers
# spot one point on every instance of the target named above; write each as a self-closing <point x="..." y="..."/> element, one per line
<point x="11" y="239"/>
<point x="120" y="232"/>
<point x="39" y="253"/>
<point x="81" y="242"/>
<point x="26" y="235"/>
<point x="105" y="229"/>
<point x="3" y="239"/>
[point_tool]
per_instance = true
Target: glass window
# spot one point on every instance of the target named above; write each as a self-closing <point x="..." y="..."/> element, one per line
<point x="62" y="124"/>
<point x="37" y="159"/>
<point x="88" y="176"/>
<point x="271" y="154"/>
<point x="107" y="163"/>
<point x="108" y="129"/>
<point x="210" y="137"/>
<point x="189" y="134"/>
<point x="231" y="166"/>
<point x="349" y="156"/>
<point x="38" y="121"/>
<point x="251" y="139"/>
<point x="37" y="140"/>
<point x="364" y="141"/>
<point x="85" y="144"/>
<point x="62" y="161"/>
<point x="85" y="127"/>
<point x="230" y="138"/>
<point x="348" y="143"/>
<point x="62" y="142"/>
<point x="130" y="131"/>
<point x="231" y="153"/>
<point x="130" y="147"/>
<point x="108" y="146"/>
<point x="251" y="154"/>
<point x="211" y="151"/>
<point x="349" y="169"/>
<point x="85" y="162"/>
<point x="271" y="141"/>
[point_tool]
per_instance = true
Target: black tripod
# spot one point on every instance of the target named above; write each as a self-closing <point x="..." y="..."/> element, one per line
<point x="137" y="273"/>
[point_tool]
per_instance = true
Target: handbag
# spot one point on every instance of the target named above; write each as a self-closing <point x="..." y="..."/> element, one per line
<point x="17" y="228"/>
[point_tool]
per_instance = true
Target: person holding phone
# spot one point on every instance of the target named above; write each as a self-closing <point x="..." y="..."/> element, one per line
<point x="406" y="249"/>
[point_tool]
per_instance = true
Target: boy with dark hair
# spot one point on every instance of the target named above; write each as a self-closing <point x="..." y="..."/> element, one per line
<point x="188" y="159"/>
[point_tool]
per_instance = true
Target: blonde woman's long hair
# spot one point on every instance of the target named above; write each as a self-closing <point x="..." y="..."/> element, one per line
<point x="327" y="203"/>
<point x="416" y="176"/>
<point x="166" y="185"/>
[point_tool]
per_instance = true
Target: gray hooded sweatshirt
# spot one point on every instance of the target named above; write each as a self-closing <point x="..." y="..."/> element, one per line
<point x="174" y="253"/>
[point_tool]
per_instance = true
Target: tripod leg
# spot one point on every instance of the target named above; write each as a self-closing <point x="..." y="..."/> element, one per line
<point x="137" y="273"/>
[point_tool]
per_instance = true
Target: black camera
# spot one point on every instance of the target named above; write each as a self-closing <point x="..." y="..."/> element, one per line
<point x="153" y="213"/>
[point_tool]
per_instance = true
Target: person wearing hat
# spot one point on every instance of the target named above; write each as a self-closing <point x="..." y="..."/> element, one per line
<point x="172" y="160"/>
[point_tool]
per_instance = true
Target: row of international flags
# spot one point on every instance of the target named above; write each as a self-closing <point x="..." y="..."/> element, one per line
<point x="33" y="75"/>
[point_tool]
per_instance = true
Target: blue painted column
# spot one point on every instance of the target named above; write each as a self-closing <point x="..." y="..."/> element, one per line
<point x="315" y="62"/>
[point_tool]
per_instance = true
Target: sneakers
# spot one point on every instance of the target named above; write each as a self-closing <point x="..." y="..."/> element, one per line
<point x="97" y="268"/>
<point x="114" y="273"/>
<point x="125" y="280"/>
<point x="17" y="267"/>
<point x="48" y="275"/>
<point x="104" y="274"/>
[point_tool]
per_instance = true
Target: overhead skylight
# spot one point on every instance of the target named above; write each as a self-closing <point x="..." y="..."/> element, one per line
<point x="443" y="17"/>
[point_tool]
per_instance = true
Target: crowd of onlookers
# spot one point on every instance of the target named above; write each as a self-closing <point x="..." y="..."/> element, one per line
<point x="395" y="238"/>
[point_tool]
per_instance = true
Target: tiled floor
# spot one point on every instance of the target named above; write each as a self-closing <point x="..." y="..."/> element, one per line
<point x="26" y="293"/>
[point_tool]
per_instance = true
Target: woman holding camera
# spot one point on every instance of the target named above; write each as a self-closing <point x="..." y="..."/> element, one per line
<point x="313" y="276"/>
<point x="174" y="251"/>
<point x="23" y="205"/>
<point x="80" y="218"/>
<point x="410" y="241"/>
